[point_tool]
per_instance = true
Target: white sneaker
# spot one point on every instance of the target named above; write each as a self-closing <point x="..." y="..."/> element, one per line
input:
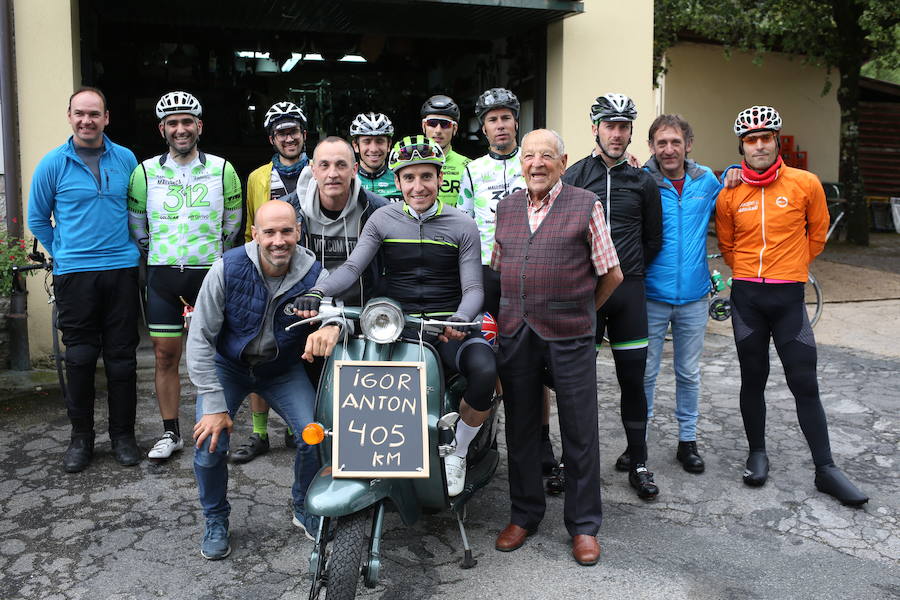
<point x="455" y="467"/>
<point x="166" y="445"/>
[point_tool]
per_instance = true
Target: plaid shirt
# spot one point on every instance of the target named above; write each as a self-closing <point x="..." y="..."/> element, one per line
<point x="603" y="253"/>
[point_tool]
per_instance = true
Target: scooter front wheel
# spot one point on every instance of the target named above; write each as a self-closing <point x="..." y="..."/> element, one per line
<point x="346" y="556"/>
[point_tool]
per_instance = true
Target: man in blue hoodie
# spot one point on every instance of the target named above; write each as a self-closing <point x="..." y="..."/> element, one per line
<point x="678" y="278"/>
<point x="78" y="210"/>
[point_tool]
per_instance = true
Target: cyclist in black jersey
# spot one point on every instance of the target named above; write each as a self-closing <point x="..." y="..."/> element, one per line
<point x="634" y="214"/>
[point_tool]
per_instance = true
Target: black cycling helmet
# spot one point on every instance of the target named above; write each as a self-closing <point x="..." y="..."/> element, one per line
<point x="496" y="98"/>
<point x="613" y="107"/>
<point x="440" y="105"/>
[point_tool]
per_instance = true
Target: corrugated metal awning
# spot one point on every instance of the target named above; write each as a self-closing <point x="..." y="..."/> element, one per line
<point x="458" y="19"/>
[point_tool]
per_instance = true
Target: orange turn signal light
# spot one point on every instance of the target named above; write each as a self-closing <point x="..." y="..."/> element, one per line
<point x="313" y="434"/>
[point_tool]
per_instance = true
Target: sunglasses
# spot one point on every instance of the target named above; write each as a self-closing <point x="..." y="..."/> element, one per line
<point x="442" y="123"/>
<point x="411" y="151"/>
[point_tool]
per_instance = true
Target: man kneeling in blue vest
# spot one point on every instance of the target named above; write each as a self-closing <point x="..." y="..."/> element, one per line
<point x="237" y="344"/>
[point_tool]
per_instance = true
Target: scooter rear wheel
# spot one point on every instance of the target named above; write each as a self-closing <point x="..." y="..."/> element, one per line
<point x="346" y="556"/>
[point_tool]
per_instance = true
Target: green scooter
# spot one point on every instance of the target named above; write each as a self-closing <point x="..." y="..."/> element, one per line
<point x="385" y="418"/>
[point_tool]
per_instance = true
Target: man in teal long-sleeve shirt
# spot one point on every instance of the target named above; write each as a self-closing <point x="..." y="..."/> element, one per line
<point x="82" y="186"/>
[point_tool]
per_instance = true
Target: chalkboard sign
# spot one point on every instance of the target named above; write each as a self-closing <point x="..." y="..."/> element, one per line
<point x="380" y="420"/>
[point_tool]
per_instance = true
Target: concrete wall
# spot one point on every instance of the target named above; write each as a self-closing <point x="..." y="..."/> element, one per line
<point x="710" y="90"/>
<point x="596" y="52"/>
<point x="46" y="54"/>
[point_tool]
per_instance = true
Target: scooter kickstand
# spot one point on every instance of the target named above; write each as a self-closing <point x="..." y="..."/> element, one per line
<point x="468" y="560"/>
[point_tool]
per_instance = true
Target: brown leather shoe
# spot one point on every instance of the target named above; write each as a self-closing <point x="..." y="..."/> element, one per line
<point x="585" y="549"/>
<point x="511" y="538"/>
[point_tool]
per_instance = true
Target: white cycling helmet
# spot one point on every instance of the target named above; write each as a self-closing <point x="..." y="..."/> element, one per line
<point x="282" y="111"/>
<point x="757" y="118"/>
<point x="178" y="102"/>
<point x="613" y="107"/>
<point x="371" y="124"/>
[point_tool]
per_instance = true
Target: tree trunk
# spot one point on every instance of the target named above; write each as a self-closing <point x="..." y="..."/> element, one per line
<point x="850" y="60"/>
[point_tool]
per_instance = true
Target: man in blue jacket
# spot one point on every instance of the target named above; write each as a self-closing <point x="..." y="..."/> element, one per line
<point x="678" y="278"/>
<point x="83" y="186"/>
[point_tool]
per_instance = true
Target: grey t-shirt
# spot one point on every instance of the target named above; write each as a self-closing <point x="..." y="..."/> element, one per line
<point x="91" y="157"/>
<point x="263" y="347"/>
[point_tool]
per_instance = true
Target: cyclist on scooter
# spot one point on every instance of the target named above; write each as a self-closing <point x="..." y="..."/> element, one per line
<point x="433" y="268"/>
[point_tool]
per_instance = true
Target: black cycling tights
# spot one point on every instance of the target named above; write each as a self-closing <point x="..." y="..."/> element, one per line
<point x="776" y="310"/>
<point x="624" y="319"/>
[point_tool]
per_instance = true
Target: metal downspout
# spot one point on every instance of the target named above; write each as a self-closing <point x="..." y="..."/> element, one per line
<point x="10" y="139"/>
<point x="16" y="320"/>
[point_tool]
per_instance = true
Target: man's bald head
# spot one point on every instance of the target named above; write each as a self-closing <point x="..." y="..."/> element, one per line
<point x="338" y="144"/>
<point x="274" y="209"/>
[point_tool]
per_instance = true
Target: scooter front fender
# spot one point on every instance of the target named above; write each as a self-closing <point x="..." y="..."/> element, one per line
<point x="330" y="497"/>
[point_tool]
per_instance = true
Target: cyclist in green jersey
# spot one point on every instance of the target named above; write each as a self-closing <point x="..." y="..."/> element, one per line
<point x="440" y="121"/>
<point x="371" y="134"/>
<point x="184" y="211"/>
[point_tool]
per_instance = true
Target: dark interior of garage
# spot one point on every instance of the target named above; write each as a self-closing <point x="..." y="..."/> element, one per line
<point x="334" y="59"/>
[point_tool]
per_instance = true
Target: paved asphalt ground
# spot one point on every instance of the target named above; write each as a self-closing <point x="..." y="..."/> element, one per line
<point x="133" y="533"/>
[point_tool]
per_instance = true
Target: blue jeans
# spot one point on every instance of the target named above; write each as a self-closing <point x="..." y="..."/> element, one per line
<point x="688" y="329"/>
<point x="292" y="396"/>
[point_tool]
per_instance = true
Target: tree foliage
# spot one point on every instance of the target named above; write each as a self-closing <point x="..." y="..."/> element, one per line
<point x="808" y="28"/>
<point x="840" y="35"/>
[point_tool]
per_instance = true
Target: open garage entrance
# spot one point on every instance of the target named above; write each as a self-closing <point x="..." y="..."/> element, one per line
<point x="334" y="59"/>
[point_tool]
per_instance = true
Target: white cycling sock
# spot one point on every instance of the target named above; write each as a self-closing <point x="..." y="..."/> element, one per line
<point x="464" y="436"/>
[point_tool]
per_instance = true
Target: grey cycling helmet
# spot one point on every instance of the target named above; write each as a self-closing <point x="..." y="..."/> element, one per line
<point x="371" y="124"/>
<point x="284" y="111"/>
<point x="757" y="118"/>
<point x="174" y="103"/>
<point x="440" y="105"/>
<point x="496" y="98"/>
<point x="613" y="107"/>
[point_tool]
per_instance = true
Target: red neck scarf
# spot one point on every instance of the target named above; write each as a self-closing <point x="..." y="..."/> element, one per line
<point x="763" y="179"/>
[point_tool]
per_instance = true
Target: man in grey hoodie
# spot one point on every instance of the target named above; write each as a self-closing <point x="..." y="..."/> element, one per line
<point x="333" y="208"/>
<point x="238" y="344"/>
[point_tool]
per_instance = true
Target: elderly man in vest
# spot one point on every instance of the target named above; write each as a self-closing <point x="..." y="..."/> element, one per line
<point x="237" y="344"/>
<point x="557" y="266"/>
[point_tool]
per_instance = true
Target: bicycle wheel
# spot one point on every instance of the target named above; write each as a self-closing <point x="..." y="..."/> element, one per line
<point x="814" y="299"/>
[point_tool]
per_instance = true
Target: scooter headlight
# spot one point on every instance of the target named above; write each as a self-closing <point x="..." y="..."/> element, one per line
<point x="382" y="320"/>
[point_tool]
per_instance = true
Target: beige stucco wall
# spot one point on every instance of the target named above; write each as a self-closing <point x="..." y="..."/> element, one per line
<point x="597" y="52"/>
<point x="710" y="90"/>
<point x="46" y="72"/>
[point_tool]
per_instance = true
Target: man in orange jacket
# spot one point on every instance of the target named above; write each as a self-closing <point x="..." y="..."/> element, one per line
<point x="770" y="229"/>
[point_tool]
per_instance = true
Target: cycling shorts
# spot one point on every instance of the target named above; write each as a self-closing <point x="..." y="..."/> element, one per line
<point x="623" y="318"/>
<point x="166" y="286"/>
<point x="491" y="282"/>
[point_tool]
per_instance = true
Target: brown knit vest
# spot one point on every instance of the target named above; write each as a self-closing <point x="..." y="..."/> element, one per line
<point x="547" y="279"/>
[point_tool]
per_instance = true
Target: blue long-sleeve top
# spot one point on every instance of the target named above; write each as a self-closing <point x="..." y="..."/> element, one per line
<point x="81" y="222"/>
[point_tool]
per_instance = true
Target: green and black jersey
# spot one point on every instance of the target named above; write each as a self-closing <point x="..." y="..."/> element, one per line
<point x="452" y="173"/>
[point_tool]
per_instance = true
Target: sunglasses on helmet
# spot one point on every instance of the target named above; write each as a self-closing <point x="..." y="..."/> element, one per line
<point x="495" y="98"/>
<point x="411" y="151"/>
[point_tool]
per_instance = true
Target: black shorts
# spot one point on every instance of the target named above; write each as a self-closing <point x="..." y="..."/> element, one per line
<point x="623" y="318"/>
<point x="491" y="281"/>
<point x="168" y="289"/>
